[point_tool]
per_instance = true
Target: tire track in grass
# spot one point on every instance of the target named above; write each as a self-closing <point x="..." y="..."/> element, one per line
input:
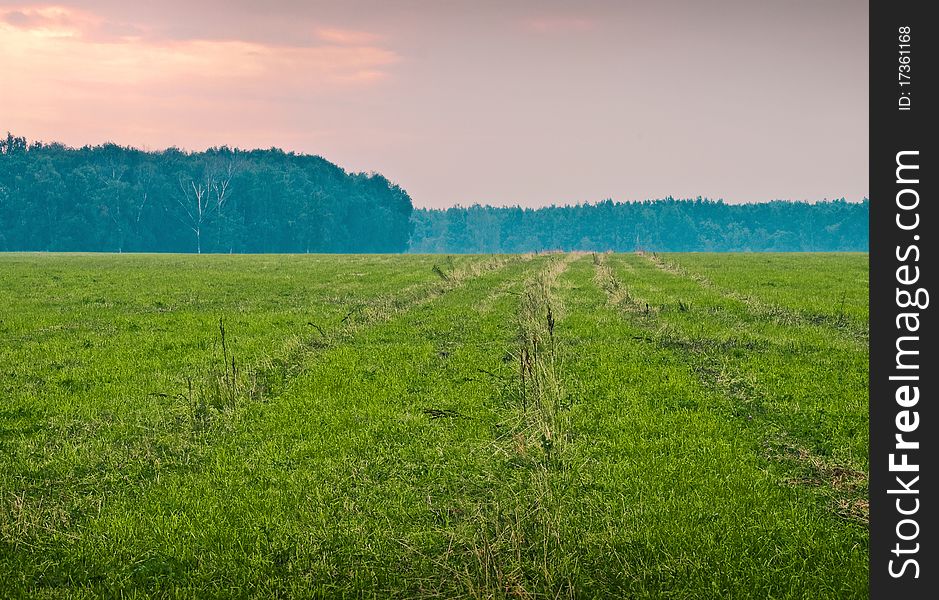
<point x="492" y="515"/>
<point x="227" y="385"/>
<point x="470" y="512"/>
<point x="279" y="369"/>
<point x="673" y="498"/>
<point x="515" y="547"/>
<point x="716" y="350"/>
<point x="762" y="309"/>
<point x="328" y="487"/>
<point x="36" y="526"/>
<point x="502" y="532"/>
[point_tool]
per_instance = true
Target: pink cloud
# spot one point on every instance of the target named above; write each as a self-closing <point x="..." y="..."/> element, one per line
<point x="75" y="72"/>
<point x="57" y="21"/>
<point x="46" y="20"/>
<point x="347" y="36"/>
<point x="70" y="47"/>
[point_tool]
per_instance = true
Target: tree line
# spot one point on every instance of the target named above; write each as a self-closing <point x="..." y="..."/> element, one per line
<point x="667" y="225"/>
<point x="118" y="199"/>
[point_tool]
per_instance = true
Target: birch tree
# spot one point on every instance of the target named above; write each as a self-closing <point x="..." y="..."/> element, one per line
<point x="202" y="198"/>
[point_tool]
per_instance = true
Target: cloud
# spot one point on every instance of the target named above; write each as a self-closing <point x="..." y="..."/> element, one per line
<point x="347" y="36"/>
<point x="72" y="71"/>
<point x="58" y="21"/>
<point x="50" y="21"/>
<point x="73" y="47"/>
<point x="66" y="56"/>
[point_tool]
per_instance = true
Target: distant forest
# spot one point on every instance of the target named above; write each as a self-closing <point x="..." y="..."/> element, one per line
<point x="116" y="199"/>
<point x="667" y="225"/>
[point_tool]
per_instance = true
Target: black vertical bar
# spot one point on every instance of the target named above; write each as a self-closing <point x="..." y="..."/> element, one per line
<point x="900" y="122"/>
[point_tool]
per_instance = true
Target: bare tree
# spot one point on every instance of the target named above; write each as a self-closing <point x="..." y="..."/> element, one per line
<point x="202" y="198"/>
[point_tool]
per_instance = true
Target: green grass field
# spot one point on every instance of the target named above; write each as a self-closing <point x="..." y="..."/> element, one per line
<point x="539" y="426"/>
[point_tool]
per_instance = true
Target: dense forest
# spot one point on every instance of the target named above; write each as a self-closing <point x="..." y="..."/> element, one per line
<point x="116" y="199"/>
<point x="667" y="225"/>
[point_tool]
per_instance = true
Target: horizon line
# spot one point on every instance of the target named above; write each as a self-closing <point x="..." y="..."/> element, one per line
<point x="235" y="149"/>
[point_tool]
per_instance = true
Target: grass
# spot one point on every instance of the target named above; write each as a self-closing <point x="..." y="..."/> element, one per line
<point x="553" y="426"/>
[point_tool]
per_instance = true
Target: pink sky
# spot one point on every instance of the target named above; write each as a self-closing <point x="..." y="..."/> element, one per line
<point x="531" y="101"/>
